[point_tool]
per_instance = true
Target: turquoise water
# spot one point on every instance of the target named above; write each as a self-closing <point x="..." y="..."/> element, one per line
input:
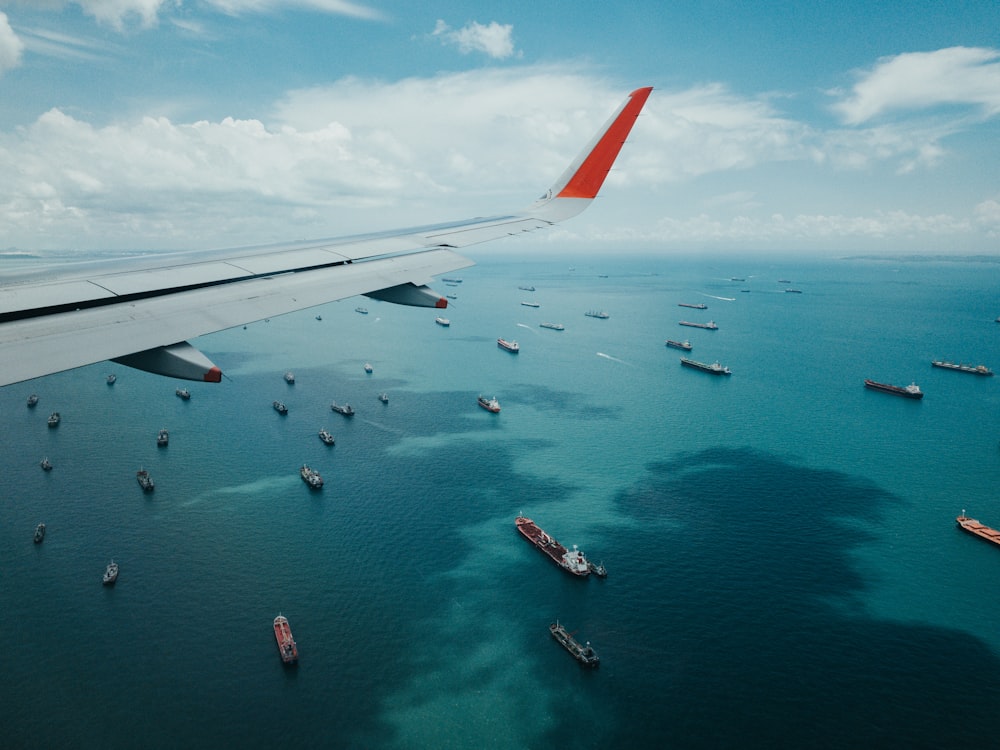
<point x="783" y="564"/>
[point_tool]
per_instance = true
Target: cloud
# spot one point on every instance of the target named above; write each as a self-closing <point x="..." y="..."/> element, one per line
<point x="334" y="7"/>
<point x="11" y="46"/>
<point x="117" y="13"/>
<point x="494" y="40"/>
<point x="968" y="76"/>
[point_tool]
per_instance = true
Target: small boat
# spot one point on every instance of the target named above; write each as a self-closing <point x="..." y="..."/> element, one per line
<point x="784" y="281"/>
<point x="442" y="321"/>
<point x="383" y="397"/>
<point x="695" y="305"/>
<point x="598" y="570"/>
<point x="490" y="404"/>
<point x="530" y="304"/>
<point x="162" y="438"/>
<point x="451" y="296"/>
<point x="45" y="464"/>
<point x="111" y="379"/>
<point x="290" y="377"/>
<point x="583" y="654"/>
<point x="526" y="288"/>
<point x="710" y="325"/>
<point x="511" y="346"/>
<point x="973" y="369"/>
<point x="311" y="477"/>
<point x="110" y="573"/>
<point x="715" y="368"/>
<point x="32" y="400"/>
<point x="183" y="393"/>
<point x="279" y="407"/>
<point x="685" y="344"/>
<point x="54" y="419"/>
<point x="910" y="391"/>
<point x="145" y="481"/>
<point x="597" y="314"/>
<point x="368" y="368"/>
<point x="319" y="317"/>
<point x="326" y="437"/>
<point x="451" y="281"/>
<point x="553" y="326"/>
<point x="362" y="310"/>
<point x="347" y="410"/>
<point x="39" y="533"/>
<point x="793" y="291"/>
<point x="286" y="644"/>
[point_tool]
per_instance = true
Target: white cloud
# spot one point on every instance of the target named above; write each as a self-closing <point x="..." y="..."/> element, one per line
<point x="11" y="46"/>
<point x="920" y="80"/>
<point x="335" y="7"/>
<point x="493" y="39"/>
<point x="117" y="13"/>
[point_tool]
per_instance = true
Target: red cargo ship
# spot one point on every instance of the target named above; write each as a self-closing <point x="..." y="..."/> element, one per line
<point x="573" y="562"/>
<point x="910" y="391"/>
<point x="286" y="644"/>
<point x="973" y="526"/>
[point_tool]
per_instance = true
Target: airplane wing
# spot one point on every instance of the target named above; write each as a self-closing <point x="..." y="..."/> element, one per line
<point x="142" y="316"/>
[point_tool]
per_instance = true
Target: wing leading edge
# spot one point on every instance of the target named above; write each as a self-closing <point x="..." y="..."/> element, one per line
<point x="143" y="315"/>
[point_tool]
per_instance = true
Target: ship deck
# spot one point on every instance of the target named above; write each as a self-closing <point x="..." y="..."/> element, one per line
<point x="983" y="531"/>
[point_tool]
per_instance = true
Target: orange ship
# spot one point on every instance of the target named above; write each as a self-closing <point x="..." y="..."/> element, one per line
<point x="286" y="644"/>
<point x="974" y="527"/>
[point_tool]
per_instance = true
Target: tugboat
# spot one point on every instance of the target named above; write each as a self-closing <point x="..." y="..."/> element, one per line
<point x="183" y="393"/>
<point x="286" y="644"/>
<point x="290" y="377"/>
<point x="598" y="570"/>
<point x="311" y="477"/>
<point x="512" y="346"/>
<point x="910" y="391"/>
<point x="383" y="397"/>
<point x="572" y="562"/>
<point x="490" y="404"/>
<point x="685" y="344"/>
<point x="54" y="419"/>
<point x="583" y="654"/>
<point x="112" y="378"/>
<point x="110" y="573"/>
<point x="715" y="368"/>
<point x="39" y="533"/>
<point x="145" y="481"/>
<point x="32" y="400"/>
<point x="347" y="410"/>
<point x="45" y="464"/>
<point x="326" y="437"/>
<point x="280" y="407"/>
<point x="162" y="438"/>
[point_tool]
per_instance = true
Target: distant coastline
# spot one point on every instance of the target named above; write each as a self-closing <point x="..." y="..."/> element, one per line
<point x="929" y="258"/>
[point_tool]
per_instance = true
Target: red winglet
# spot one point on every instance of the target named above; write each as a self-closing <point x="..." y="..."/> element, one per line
<point x="213" y="376"/>
<point x="589" y="176"/>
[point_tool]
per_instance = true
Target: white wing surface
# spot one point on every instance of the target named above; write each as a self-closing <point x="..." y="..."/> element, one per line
<point x="143" y="315"/>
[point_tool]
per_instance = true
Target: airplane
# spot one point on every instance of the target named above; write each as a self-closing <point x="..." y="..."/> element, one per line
<point x="141" y="315"/>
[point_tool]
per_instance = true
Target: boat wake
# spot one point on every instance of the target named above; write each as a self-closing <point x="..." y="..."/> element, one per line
<point x="724" y="299"/>
<point x="613" y="359"/>
<point x="525" y="325"/>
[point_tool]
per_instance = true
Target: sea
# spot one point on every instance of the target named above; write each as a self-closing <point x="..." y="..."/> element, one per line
<point x="784" y="567"/>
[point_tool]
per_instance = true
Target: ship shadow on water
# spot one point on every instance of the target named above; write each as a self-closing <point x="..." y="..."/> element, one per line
<point x="754" y="617"/>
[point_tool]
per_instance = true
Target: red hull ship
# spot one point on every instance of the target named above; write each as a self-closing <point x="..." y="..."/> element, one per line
<point x="975" y="528"/>
<point x="286" y="644"/>
<point x="572" y="562"/>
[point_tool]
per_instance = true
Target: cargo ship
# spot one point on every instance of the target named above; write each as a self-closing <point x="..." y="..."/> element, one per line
<point x="490" y="404"/>
<point x="696" y="306"/>
<point x="286" y="644"/>
<point x="530" y="304"/>
<point x="597" y="314"/>
<point x="346" y="409"/>
<point x="910" y="391"/>
<point x="512" y="346"/>
<point x="685" y="344"/>
<point x="145" y="481"/>
<point x="973" y="526"/>
<point x="710" y="325"/>
<point x="572" y="562"/>
<point x="583" y="654"/>
<point x="974" y="369"/>
<point x="553" y="326"/>
<point x="715" y="368"/>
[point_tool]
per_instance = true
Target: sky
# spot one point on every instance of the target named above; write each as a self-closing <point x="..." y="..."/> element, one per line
<point x="846" y="127"/>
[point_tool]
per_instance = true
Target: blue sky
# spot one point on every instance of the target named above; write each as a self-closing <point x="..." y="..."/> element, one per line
<point x="823" y="128"/>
